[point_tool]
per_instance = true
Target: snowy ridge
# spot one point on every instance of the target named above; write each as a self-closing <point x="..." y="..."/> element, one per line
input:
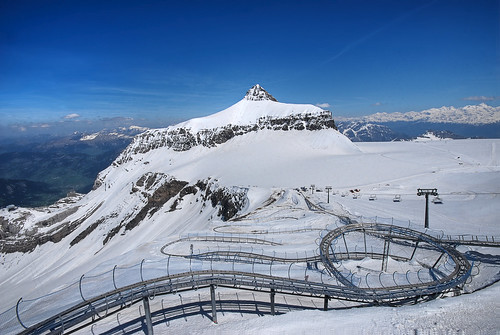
<point x="120" y="132"/>
<point x="471" y="114"/>
<point x="358" y="131"/>
<point x="246" y="112"/>
<point x="258" y="110"/>
<point x="432" y="135"/>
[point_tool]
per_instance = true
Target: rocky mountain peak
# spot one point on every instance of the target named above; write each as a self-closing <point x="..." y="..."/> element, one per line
<point x="258" y="93"/>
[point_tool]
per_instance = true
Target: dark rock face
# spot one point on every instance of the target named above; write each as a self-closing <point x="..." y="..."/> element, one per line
<point x="86" y="232"/>
<point x="258" y="93"/>
<point x="153" y="191"/>
<point x="229" y="202"/>
<point x="154" y="202"/>
<point x="181" y="139"/>
<point x="156" y="189"/>
<point x="29" y="241"/>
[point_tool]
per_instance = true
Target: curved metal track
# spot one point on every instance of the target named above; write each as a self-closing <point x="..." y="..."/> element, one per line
<point x="110" y="302"/>
<point x="104" y="304"/>
<point x="388" y="232"/>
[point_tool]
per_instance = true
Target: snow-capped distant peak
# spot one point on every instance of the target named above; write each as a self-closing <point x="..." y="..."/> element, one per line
<point x="107" y="134"/>
<point x="434" y="135"/>
<point x="258" y="93"/>
<point x="471" y="114"/>
<point x="89" y="137"/>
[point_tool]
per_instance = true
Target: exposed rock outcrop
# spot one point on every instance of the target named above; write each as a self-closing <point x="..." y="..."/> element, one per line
<point x="182" y="139"/>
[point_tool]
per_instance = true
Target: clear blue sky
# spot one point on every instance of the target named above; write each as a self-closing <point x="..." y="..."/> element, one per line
<point x="174" y="60"/>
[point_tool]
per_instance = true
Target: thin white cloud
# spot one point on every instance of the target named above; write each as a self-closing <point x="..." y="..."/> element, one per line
<point x="40" y="125"/>
<point x="72" y="116"/>
<point x="479" y="98"/>
<point x="324" y="105"/>
<point x="377" y="104"/>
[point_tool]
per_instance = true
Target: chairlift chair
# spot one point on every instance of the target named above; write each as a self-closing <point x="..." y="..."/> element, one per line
<point x="437" y="200"/>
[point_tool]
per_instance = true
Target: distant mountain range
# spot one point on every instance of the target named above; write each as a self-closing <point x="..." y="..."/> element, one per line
<point x="473" y="121"/>
<point x="472" y="114"/>
<point x="37" y="171"/>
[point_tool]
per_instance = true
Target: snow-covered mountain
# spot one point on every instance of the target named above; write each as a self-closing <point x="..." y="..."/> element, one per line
<point x="472" y="114"/>
<point x="473" y="121"/>
<point x="438" y="135"/>
<point x="110" y="134"/>
<point x="173" y="180"/>
<point x="359" y="131"/>
<point x="257" y="111"/>
<point x="162" y="167"/>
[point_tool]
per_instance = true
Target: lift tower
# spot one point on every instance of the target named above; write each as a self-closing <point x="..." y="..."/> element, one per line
<point x="427" y="192"/>
<point x="328" y="189"/>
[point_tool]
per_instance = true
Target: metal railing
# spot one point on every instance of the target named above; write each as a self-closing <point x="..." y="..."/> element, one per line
<point x="95" y="296"/>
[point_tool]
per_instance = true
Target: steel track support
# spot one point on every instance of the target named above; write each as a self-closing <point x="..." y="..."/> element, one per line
<point x="325" y="302"/>
<point x="385" y="255"/>
<point x="414" y="250"/>
<point x="345" y="244"/>
<point x="272" y="301"/>
<point x="364" y="239"/>
<point x="147" y="315"/>
<point x="437" y="261"/>
<point x="212" y="297"/>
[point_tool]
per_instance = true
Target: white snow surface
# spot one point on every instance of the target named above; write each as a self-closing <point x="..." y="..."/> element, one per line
<point x="271" y="164"/>
<point x="246" y="112"/>
<point x="250" y="160"/>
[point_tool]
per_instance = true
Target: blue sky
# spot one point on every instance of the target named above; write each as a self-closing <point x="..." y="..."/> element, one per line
<point x="166" y="61"/>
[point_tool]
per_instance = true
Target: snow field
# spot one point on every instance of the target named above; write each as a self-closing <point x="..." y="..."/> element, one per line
<point x="469" y="187"/>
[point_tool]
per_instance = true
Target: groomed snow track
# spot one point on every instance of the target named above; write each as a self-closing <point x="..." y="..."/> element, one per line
<point x="92" y="309"/>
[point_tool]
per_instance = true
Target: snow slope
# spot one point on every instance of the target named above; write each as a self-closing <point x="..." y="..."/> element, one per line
<point x="247" y="112"/>
<point x="471" y="201"/>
